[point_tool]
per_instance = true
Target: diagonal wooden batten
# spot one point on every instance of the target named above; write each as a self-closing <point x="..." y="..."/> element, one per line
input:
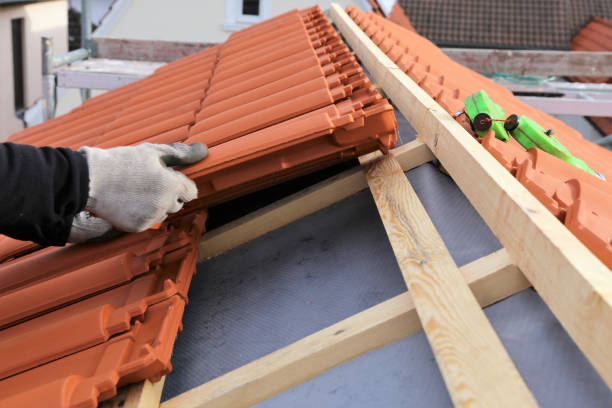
<point x="475" y="365"/>
<point x="144" y="394"/>
<point x="491" y="278"/>
<point x="576" y="286"/>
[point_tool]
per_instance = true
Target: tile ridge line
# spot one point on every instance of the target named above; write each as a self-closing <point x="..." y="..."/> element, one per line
<point x="206" y="88"/>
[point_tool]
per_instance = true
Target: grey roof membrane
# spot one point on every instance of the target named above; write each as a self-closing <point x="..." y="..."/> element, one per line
<point x="325" y="267"/>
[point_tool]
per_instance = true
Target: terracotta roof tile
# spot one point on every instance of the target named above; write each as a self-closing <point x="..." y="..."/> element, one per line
<point x="282" y="71"/>
<point x="118" y="297"/>
<point x="47" y="279"/>
<point x="94" y="320"/>
<point x="398" y="16"/>
<point x="580" y="200"/>
<point x="595" y="36"/>
<point x="82" y="379"/>
<point x="277" y="100"/>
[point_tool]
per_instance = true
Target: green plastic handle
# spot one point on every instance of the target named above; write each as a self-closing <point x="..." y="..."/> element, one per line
<point x="530" y="134"/>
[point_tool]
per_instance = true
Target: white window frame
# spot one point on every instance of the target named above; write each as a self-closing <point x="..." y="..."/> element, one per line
<point x="235" y="20"/>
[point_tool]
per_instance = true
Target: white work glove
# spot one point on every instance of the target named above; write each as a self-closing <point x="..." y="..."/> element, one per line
<point x="86" y="227"/>
<point x="133" y="187"/>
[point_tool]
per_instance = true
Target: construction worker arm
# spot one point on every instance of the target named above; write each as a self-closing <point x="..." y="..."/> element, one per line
<point x="53" y="196"/>
<point x="42" y="189"/>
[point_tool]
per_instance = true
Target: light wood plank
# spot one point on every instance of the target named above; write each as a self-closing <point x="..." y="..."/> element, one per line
<point x="575" y="285"/>
<point x="100" y="73"/>
<point x="299" y="205"/>
<point x="492" y="278"/>
<point x="533" y="62"/>
<point x="474" y="363"/>
<point x="569" y="106"/>
<point x="145" y="394"/>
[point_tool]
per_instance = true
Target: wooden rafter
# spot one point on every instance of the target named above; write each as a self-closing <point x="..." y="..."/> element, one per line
<point x="575" y="285"/>
<point x="144" y="394"/>
<point x="474" y="364"/>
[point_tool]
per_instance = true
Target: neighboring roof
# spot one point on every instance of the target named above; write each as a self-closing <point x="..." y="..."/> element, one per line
<point x="398" y="16"/>
<point x="279" y="99"/>
<point x="595" y="36"/>
<point x="393" y="11"/>
<point x="580" y="200"/>
<point x="546" y="24"/>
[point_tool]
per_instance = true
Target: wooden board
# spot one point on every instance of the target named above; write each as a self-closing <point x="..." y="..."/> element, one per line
<point x="476" y="368"/>
<point x="144" y="394"/>
<point x="299" y="205"/>
<point x="575" y="285"/>
<point x="492" y="278"/>
<point x="533" y="62"/>
<point x="100" y="73"/>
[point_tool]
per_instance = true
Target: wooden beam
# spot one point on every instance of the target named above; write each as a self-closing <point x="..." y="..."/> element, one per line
<point x="99" y="73"/>
<point x="144" y="394"/>
<point x="492" y="278"/>
<point x="534" y="62"/>
<point x="561" y="88"/>
<point x="575" y="285"/>
<point x="145" y="50"/>
<point x="570" y="106"/>
<point x="474" y="363"/>
<point x="299" y="205"/>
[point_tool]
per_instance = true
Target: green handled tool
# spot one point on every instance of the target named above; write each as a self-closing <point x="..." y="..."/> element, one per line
<point x="484" y="115"/>
<point x="529" y="134"/>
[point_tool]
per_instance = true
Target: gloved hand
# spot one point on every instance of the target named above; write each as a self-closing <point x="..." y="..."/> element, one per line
<point x="133" y="187"/>
<point x="86" y="227"/>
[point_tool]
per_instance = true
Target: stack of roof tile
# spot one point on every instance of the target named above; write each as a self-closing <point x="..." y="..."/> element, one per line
<point x="278" y="99"/>
<point x="595" y="36"/>
<point x="582" y="201"/>
<point x="77" y="322"/>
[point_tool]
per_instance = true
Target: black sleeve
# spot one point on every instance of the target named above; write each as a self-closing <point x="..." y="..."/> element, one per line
<point x="42" y="190"/>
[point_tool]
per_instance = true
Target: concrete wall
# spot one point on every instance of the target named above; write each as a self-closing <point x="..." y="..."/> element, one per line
<point x="198" y="21"/>
<point x="48" y="18"/>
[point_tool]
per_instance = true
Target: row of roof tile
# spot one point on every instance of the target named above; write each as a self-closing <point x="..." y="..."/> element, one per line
<point x="80" y="321"/>
<point x="578" y="199"/>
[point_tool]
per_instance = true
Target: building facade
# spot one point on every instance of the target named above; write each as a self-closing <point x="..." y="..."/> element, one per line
<point x="22" y="25"/>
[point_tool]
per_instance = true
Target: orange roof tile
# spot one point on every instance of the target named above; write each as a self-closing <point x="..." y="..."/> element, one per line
<point x="277" y="100"/>
<point x="398" y="16"/>
<point x="271" y="102"/>
<point x="121" y="303"/>
<point x="595" y="36"/>
<point x="91" y="375"/>
<point x="580" y="200"/>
